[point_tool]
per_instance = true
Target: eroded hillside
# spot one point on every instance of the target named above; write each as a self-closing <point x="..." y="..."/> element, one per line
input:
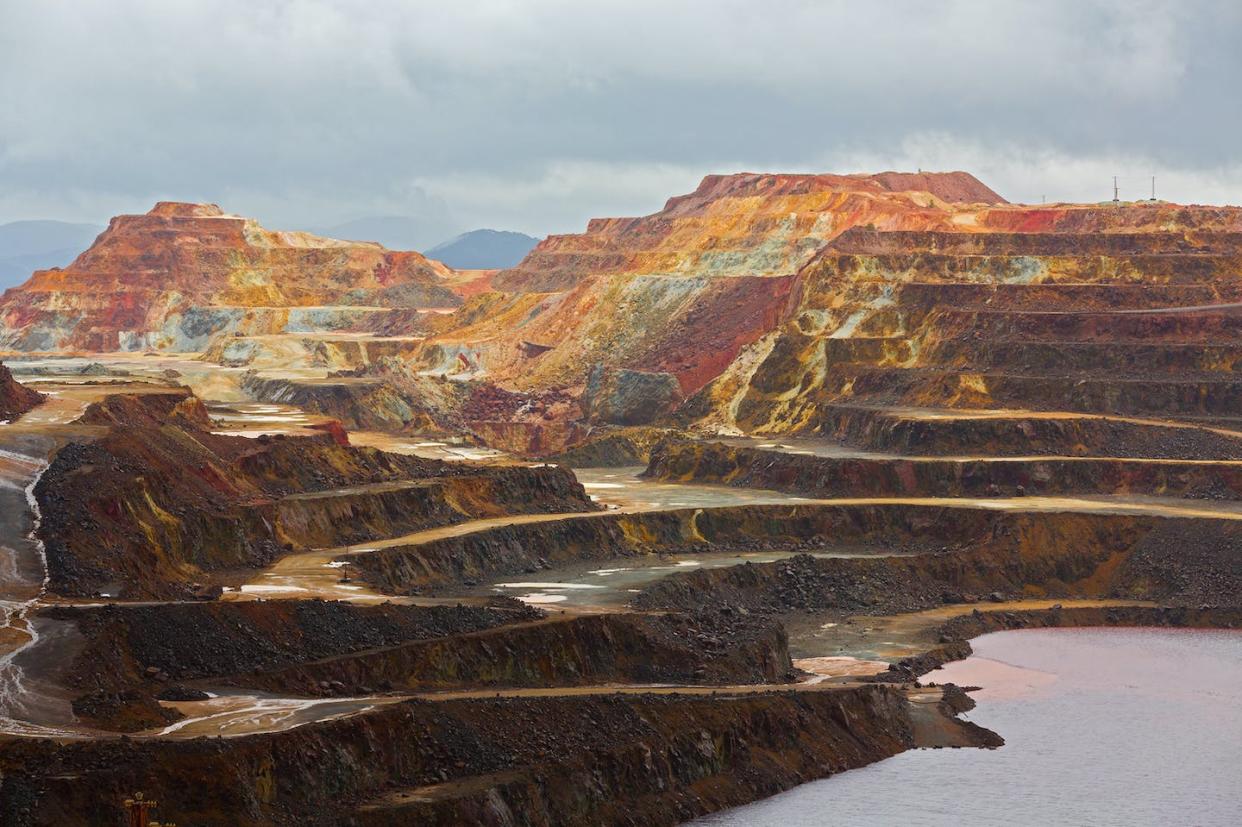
<point x="181" y="274"/>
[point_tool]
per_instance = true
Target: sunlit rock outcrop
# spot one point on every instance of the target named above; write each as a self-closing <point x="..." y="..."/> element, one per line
<point x="182" y="274"/>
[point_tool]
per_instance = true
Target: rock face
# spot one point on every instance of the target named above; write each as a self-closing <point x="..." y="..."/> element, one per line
<point x="1126" y="309"/>
<point x="628" y="397"/>
<point x="1182" y="562"/>
<point x="652" y="760"/>
<point x="870" y="476"/>
<point x="773" y="300"/>
<point x="175" y="277"/>
<point x="15" y="398"/>
<point x="743" y="225"/>
<point x="322" y="648"/>
<point x="683" y="291"/>
<point x="159" y="504"/>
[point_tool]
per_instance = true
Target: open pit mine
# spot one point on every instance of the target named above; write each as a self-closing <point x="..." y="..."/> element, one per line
<point x="676" y="515"/>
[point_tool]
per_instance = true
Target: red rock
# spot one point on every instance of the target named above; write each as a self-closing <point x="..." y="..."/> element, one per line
<point x="172" y="278"/>
<point x="15" y="398"/>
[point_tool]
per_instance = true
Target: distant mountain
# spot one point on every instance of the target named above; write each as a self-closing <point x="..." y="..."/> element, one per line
<point x="484" y="250"/>
<point x="26" y="246"/>
<point x="396" y="232"/>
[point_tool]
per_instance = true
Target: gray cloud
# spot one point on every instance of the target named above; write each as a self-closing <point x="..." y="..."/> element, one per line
<point x="536" y="115"/>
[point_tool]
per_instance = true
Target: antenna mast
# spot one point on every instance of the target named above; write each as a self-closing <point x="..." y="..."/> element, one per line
<point x="1116" y="197"/>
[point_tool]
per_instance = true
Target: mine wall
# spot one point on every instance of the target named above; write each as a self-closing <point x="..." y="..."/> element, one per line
<point x="15" y="398"/>
<point x="359" y="404"/>
<point x="592" y="760"/>
<point x="340" y="518"/>
<point x="157" y="509"/>
<point x="1173" y="560"/>
<point x="574" y="651"/>
<point x="121" y="646"/>
<point x="379" y="404"/>
<point x="997" y="548"/>
<point x="875" y="429"/>
<point x="324" y="649"/>
<point x="529" y="547"/>
<point x="1193" y="396"/>
<point x="827" y="477"/>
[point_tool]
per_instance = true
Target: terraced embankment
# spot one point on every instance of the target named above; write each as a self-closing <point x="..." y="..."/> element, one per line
<point x="1186" y="562"/>
<point x="1005" y="433"/>
<point x="286" y="677"/>
<point x="1129" y="323"/>
<point x="655" y="759"/>
<point x="861" y="475"/>
<point x="182" y="275"/>
<point x="122" y="516"/>
<point x="316" y="648"/>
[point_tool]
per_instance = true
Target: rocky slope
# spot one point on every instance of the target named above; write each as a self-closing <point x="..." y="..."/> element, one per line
<point x="743" y="225"/>
<point x="182" y="273"/>
<point x="635" y="316"/>
<point x="649" y="759"/>
<point x="758" y="302"/>
<point x="316" y="648"/>
<point x="159" y="505"/>
<point x="1098" y="310"/>
<point x="702" y="280"/>
<point x="886" y="476"/>
<point x="15" y="398"/>
<point x="767" y="302"/>
<point x="1182" y="562"/>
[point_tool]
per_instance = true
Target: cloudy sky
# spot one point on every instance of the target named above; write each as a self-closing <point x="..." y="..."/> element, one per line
<point x="535" y="115"/>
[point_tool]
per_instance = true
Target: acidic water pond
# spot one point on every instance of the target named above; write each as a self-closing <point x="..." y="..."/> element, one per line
<point x="1103" y="728"/>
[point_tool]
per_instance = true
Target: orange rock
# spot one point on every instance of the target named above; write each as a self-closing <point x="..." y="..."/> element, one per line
<point x="174" y="277"/>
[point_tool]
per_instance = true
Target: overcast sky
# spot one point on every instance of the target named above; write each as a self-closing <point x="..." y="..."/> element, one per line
<point x="535" y="115"/>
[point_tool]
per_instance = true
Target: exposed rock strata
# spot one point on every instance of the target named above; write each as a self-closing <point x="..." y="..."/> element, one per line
<point x="816" y="476"/>
<point x="1176" y="561"/>
<point x="955" y="549"/>
<point x="1023" y="434"/>
<point x="1087" y="311"/>
<point x="15" y="398"/>
<point x="153" y="507"/>
<point x="653" y="760"/>
<point x="121" y="647"/>
<point x="616" y="447"/>
<point x="183" y="273"/>
<point x="628" y="397"/>
<point x="313" y="648"/>
<point x="740" y="225"/>
<point x="393" y="397"/>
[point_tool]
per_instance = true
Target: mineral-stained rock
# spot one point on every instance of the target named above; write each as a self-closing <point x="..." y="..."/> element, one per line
<point x="15" y="398"/>
<point x="183" y="273"/>
<point x="685" y="290"/>
<point x="770" y="297"/>
<point x="159" y="502"/>
<point x="742" y="225"/>
<point x="1123" y="310"/>
<point x="615" y="396"/>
